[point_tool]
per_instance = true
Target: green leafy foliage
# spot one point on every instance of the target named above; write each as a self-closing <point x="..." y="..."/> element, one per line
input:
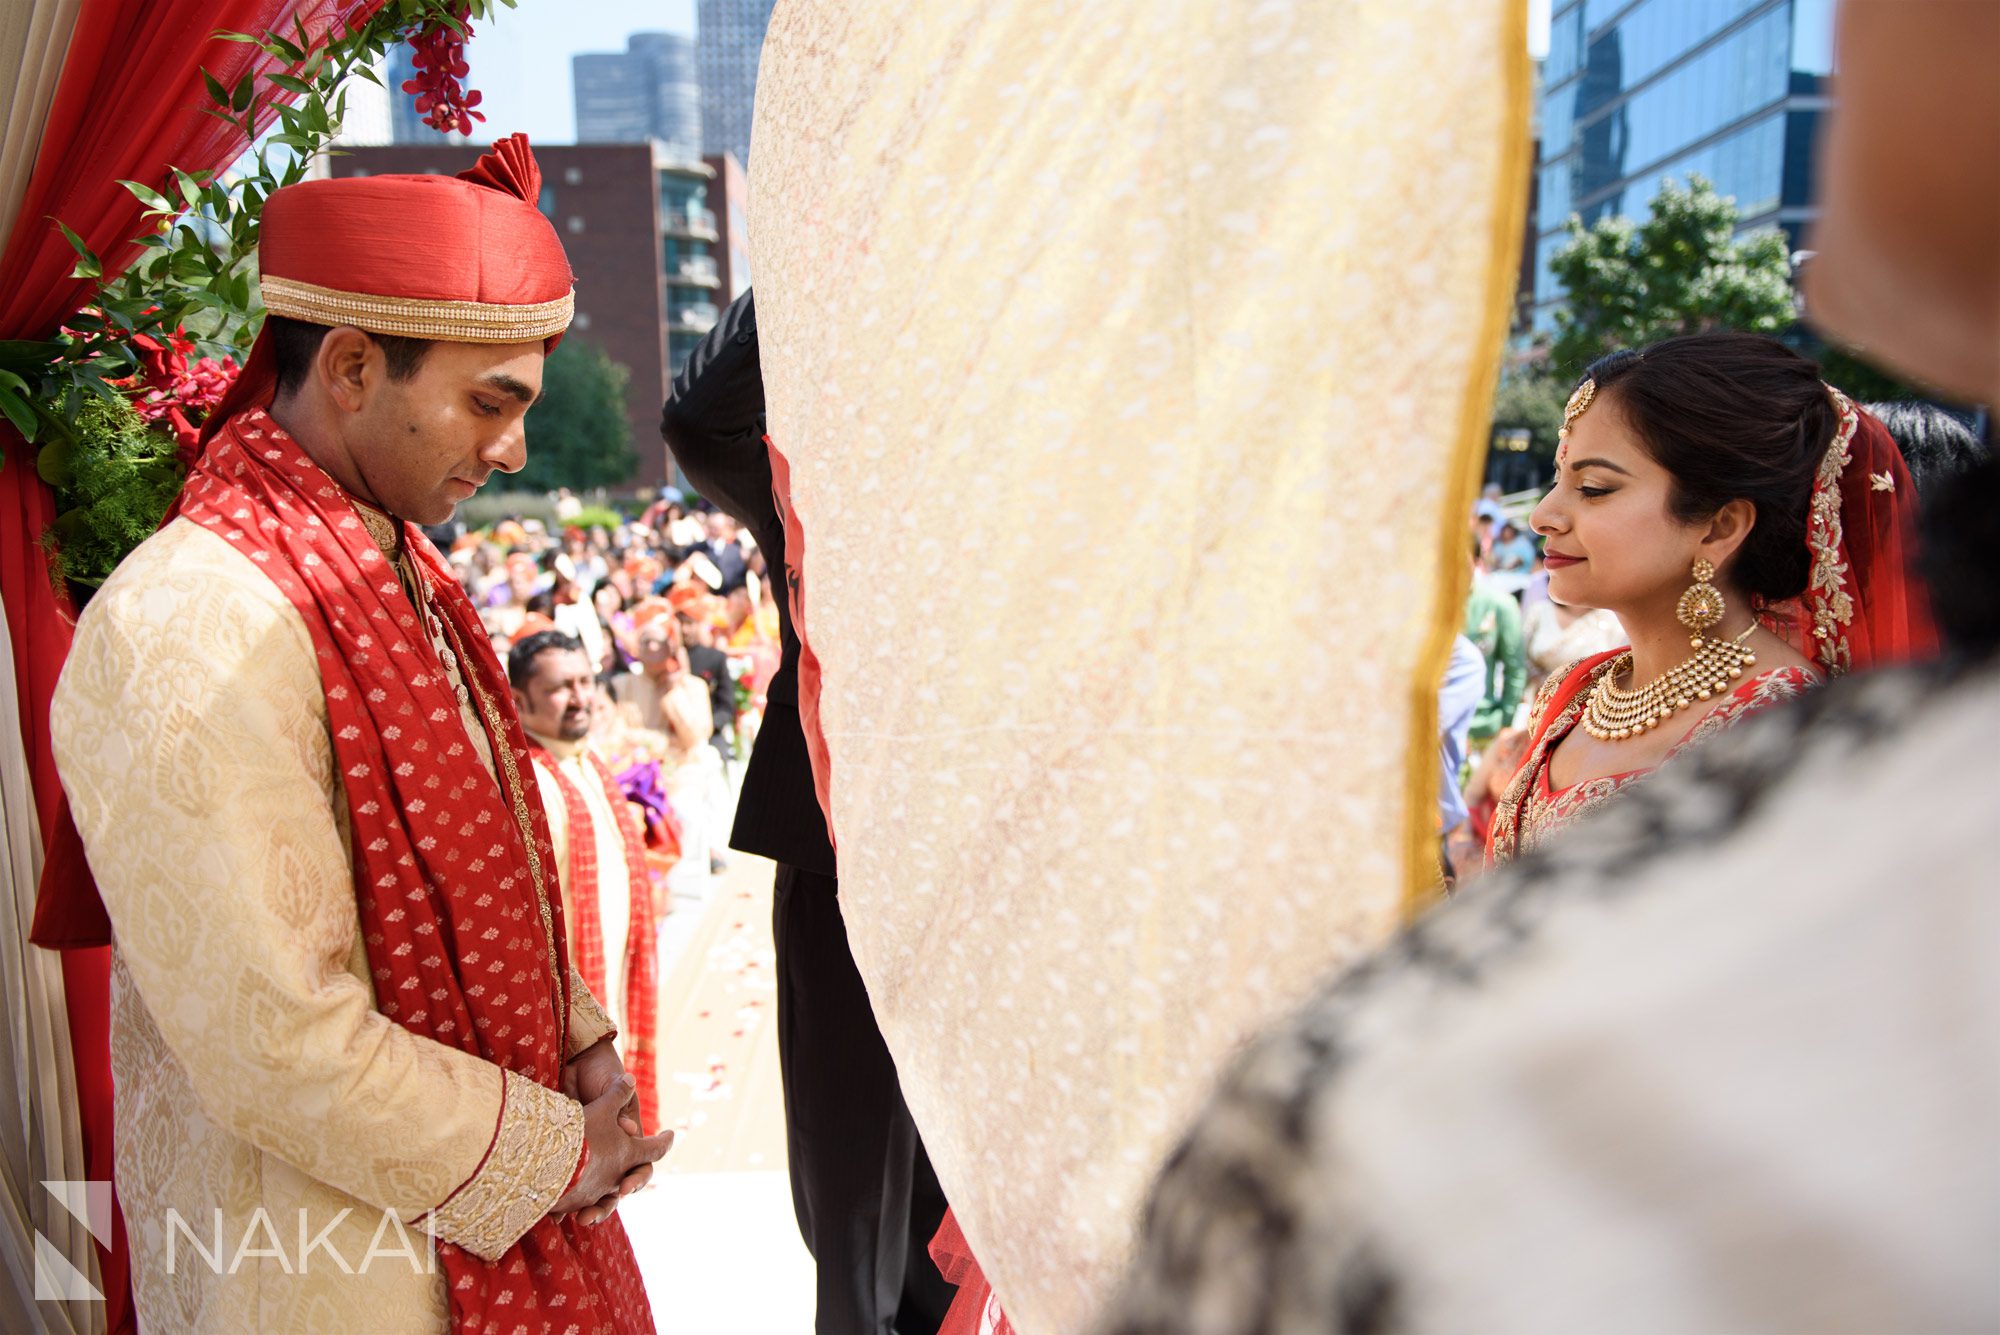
<point x="114" y="478"/>
<point x="578" y="434"/>
<point x="1530" y="396"/>
<point x="193" y="273"/>
<point x="1682" y="271"/>
<point x="596" y="516"/>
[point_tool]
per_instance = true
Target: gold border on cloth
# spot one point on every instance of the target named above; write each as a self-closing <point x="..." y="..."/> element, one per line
<point x="418" y="317"/>
<point x="1424" y="877"/>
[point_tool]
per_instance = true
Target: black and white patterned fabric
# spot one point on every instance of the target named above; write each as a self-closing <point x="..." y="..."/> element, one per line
<point x="1687" y="1067"/>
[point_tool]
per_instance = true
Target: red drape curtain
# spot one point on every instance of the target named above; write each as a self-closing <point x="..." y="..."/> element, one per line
<point x="128" y="106"/>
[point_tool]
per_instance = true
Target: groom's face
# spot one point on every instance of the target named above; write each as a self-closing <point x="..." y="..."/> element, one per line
<point x="428" y="442"/>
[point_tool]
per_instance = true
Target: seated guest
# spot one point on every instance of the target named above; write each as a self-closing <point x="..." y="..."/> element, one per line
<point x="1513" y="551"/>
<point x="508" y="602"/>
<point x="723" y="547"/>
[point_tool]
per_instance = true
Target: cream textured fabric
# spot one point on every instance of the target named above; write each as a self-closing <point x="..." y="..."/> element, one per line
<point x="41" y="1135"/>
<point x="34" y="41"/>
<point x="1130" y="359"/>
<point x="252" y="1069"/>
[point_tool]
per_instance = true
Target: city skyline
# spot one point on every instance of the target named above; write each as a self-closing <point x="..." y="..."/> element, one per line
<point x="520" y="59"/>
<point x="728" y="45"/>
<point x="647" y="91"/>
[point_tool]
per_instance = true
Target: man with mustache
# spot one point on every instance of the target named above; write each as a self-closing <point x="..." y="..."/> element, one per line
<point x="607" y="888"/>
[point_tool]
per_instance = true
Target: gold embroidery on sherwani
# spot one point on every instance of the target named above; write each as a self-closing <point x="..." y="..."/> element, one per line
<point x="536" y="1148"/>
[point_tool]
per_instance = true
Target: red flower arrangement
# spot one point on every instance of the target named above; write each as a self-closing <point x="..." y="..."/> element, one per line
<point x="170" y="387"/>
<point x="440" y="65"/>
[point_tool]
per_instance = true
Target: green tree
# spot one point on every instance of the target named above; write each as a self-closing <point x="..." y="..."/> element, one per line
<point x="1683" y="271"/>
<point x="578" y="435"/>
<point x="1531" y="397"/>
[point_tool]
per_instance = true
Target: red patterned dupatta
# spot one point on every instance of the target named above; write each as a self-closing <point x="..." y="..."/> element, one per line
<point x="642" y="985"/>
<point x="1864" y="604"/>
<point x="452" y="870"/>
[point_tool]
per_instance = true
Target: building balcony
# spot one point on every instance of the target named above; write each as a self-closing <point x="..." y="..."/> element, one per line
<point x="696" y="317"/>
<point x="697" y="271"/>
<point x="696" y="223"/>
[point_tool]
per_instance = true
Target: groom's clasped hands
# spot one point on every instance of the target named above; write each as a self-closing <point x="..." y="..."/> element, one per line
<point x="619" y="1160"/>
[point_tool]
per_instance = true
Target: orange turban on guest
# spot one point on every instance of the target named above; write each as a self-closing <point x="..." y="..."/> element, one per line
<point x="650" y="609"/>
<point x="411" y="256"/>
<point x="532" y="624"/>
<point x="689" y="598"/>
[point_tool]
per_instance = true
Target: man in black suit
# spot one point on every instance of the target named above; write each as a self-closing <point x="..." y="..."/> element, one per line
<point x="723" y="548"/>
<point x="866" y="1198"/>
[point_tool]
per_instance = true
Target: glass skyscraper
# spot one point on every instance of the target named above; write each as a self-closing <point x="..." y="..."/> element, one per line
<point x="1635" y="91"/>
<point x="647" y="91"/>
<point x="729" y="39"/>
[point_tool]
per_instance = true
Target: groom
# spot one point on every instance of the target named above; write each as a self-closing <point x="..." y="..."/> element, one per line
<point x="342" y="1006"/>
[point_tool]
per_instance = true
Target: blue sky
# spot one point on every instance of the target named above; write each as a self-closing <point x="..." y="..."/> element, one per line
<point x="520" y="59"/>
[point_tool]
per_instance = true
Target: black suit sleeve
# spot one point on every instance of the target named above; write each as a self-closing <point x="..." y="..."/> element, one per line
<point x="713" y="420"/>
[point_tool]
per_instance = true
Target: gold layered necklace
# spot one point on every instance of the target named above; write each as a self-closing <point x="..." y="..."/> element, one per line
<point x="1612" y="714"/>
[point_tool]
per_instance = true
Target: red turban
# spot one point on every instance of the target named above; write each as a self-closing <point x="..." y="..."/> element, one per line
<point x="464" y="259"/>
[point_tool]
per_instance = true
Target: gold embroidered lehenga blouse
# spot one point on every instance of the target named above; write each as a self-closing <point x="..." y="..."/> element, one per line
<point x="1533" y="809"/>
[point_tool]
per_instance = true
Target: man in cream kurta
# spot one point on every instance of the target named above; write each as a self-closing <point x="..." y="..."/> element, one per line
<point x="257" y="1084"/>
<point x="556" y="711"/>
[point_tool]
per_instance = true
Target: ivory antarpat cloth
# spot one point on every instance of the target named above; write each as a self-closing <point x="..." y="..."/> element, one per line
<point x="1131" y="359"/>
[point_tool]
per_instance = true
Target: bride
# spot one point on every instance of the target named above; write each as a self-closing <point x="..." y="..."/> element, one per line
<point x="1745" y="522"/>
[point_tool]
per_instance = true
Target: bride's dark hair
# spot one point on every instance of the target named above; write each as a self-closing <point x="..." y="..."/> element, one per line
<point x="1731" y="416"/>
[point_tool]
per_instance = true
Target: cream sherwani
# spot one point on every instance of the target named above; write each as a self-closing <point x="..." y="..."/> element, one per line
<point x="614" y="879"/>
<point x="262" y="1100"/>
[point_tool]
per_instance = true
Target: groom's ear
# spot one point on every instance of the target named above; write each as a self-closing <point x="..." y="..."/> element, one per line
<point x="349" y="365"/>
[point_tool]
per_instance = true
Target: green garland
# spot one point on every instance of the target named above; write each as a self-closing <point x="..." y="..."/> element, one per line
<point x="113" y="485"/>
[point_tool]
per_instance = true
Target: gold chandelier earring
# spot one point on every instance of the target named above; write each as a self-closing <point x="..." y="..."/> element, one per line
<point x="1701" y="606"/>
<point x="1612" y="714"/>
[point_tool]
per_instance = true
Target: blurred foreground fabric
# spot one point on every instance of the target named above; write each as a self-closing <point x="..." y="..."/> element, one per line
<point x="1100" y="339"/>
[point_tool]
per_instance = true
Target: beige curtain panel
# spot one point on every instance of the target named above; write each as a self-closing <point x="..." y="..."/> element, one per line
<point x="1132" y="360"/>
<point x="41" y="1137"/>
<point x="34" y="38"/>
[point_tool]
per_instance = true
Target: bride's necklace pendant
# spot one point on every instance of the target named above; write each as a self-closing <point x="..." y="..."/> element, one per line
<point x="1611" y="714"/>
